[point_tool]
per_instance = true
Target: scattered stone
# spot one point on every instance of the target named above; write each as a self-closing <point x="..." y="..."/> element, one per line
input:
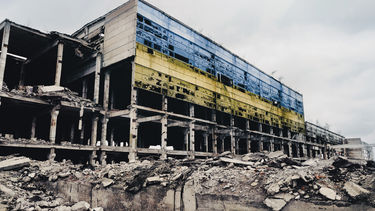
<point x="154" y="180"/>
<point x="284" y="196"/>
<point x="253" y="184"/>
<point x="234" y="161"/>
<point x="98" y="209"/>
<point x="63" y="174"/>
<point x="354" y="190"/>
<point x="274" y="204"/>
<point x="106" y="182"/>
<point x="7" y="191"/>
<point x="81" y="206"/>
<point x="62" y="208"/>
<point x="276" y="154"/>
<point x="328" y="193"/>
<point x="273" y="189"/>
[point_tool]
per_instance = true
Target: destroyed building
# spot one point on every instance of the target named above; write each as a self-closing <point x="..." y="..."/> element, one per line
<point x="137" y="82"/>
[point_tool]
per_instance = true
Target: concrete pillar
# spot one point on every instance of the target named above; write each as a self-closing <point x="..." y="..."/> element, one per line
<point x="53" y="126"/>
<point x="52" y="132"/>
<point x="133" y="134"/>
<point x="205" y="139"/>
<point x="98" y="67"/>
<point x="247" y="132"/>
<point x="82" y="131"/>
<point x="164" y="128"/>
<point x="281" y="146"/>
<point x="186" y="139"/>
<point x="106" y="90"/>
<point x="94" y="130"/>
<point x="4" y="52"/>
<point x="72" y="130"/>
<point x="222" y="144"/>
<point x="214" y="140"/>
<point x="271" y="130"/>
<point x="33" y="127"/>
<point x="272" y="145"/>
<point x="325" y="152"/>
<point x="191" y="133"/>
<point x="111" y="137"/>
<point x="22" y="75"/>
<point x="84" y="88"/>
<point x="103" y="139"/>
<point x="60" y="50"/>
<point x="304" y="148"/>
<point x="232" y="138"/>
<point x="260" y="127"/>
<point x="261" y="148"/>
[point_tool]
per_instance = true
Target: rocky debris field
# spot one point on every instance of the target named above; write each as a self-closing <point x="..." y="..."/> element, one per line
<point x="268" y="180"/>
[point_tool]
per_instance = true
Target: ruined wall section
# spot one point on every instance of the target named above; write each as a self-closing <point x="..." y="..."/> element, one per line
<point x="119" y="34"/>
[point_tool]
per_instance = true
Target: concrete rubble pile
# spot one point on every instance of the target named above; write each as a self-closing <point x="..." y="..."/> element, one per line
<point x="51" y="94"/>
<point x="263" y="180"/>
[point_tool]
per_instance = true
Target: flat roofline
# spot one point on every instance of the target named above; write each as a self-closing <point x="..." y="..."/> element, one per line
<point x="325" y="129"/>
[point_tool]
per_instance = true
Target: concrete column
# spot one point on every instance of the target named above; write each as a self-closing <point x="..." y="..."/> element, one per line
<point x="205" y="138"/>
<point x="33" y="127"/>
<point x="325" y="152"/>
<point x="4" y="52"/>
<point x="84" y="88"/>
<point x="133" y="134"/>
<point x="164" y="128"/>
<point x="214" y="140"/>
<point x="272" y="145"/>
<point x="237" y="141"/>
<point x="248" y="140"/>
<point x="60" y="50"/>
<point x="304" y="148"/>
<point x="232" y="138"/>
<point x="281" y="146"/>
<point x="98" y="67"/>
<point x="222" y="144"/>
<point x="261" y="148"/>
<point x="72" y="130"/>
<point x="103" y="139"/>
<point x="94" y="130"/>
<point x="22" y="75"/>
<point x="53" y="125"/>
<point x="107" y="76"/>
<point x="82" y="131"/>
<point x="186" y="139"/>
<point x="191" y="133"/>
<point x="111" y="137"/>
<point x="260" y="127"/>
<point x="271" y="130"/>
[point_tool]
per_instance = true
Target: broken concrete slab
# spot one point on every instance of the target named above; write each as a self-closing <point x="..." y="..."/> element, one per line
<point x="7" y="191"/>
<point x="235" y="161"/>
<point x="284" y="196"/>
<point x="52" y="88"/>
<point x="81" y="206"/>
<point x="107" y="182"/>
<point x="354" y="190"/>
<point x="274" y="204"/>
<point x="276" y="154"/>
<point x="14" y="163"/>
<point x="328" y="193"/>
<point x="273" y="189"/>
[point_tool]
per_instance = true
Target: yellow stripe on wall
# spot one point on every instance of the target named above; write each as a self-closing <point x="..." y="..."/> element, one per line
<point x="162" y="74"/>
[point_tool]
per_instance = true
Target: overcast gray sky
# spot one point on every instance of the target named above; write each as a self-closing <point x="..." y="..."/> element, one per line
<point x="324" y="49"/>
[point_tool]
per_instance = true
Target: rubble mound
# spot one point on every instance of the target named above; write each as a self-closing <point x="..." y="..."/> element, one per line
<point x="260" y="179"/>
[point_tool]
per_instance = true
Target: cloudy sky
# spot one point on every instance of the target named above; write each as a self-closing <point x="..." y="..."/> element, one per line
<point x="323" y="49"/>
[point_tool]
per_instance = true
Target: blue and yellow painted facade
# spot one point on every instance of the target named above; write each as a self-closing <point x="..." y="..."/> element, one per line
<point x="174" y="60"/>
